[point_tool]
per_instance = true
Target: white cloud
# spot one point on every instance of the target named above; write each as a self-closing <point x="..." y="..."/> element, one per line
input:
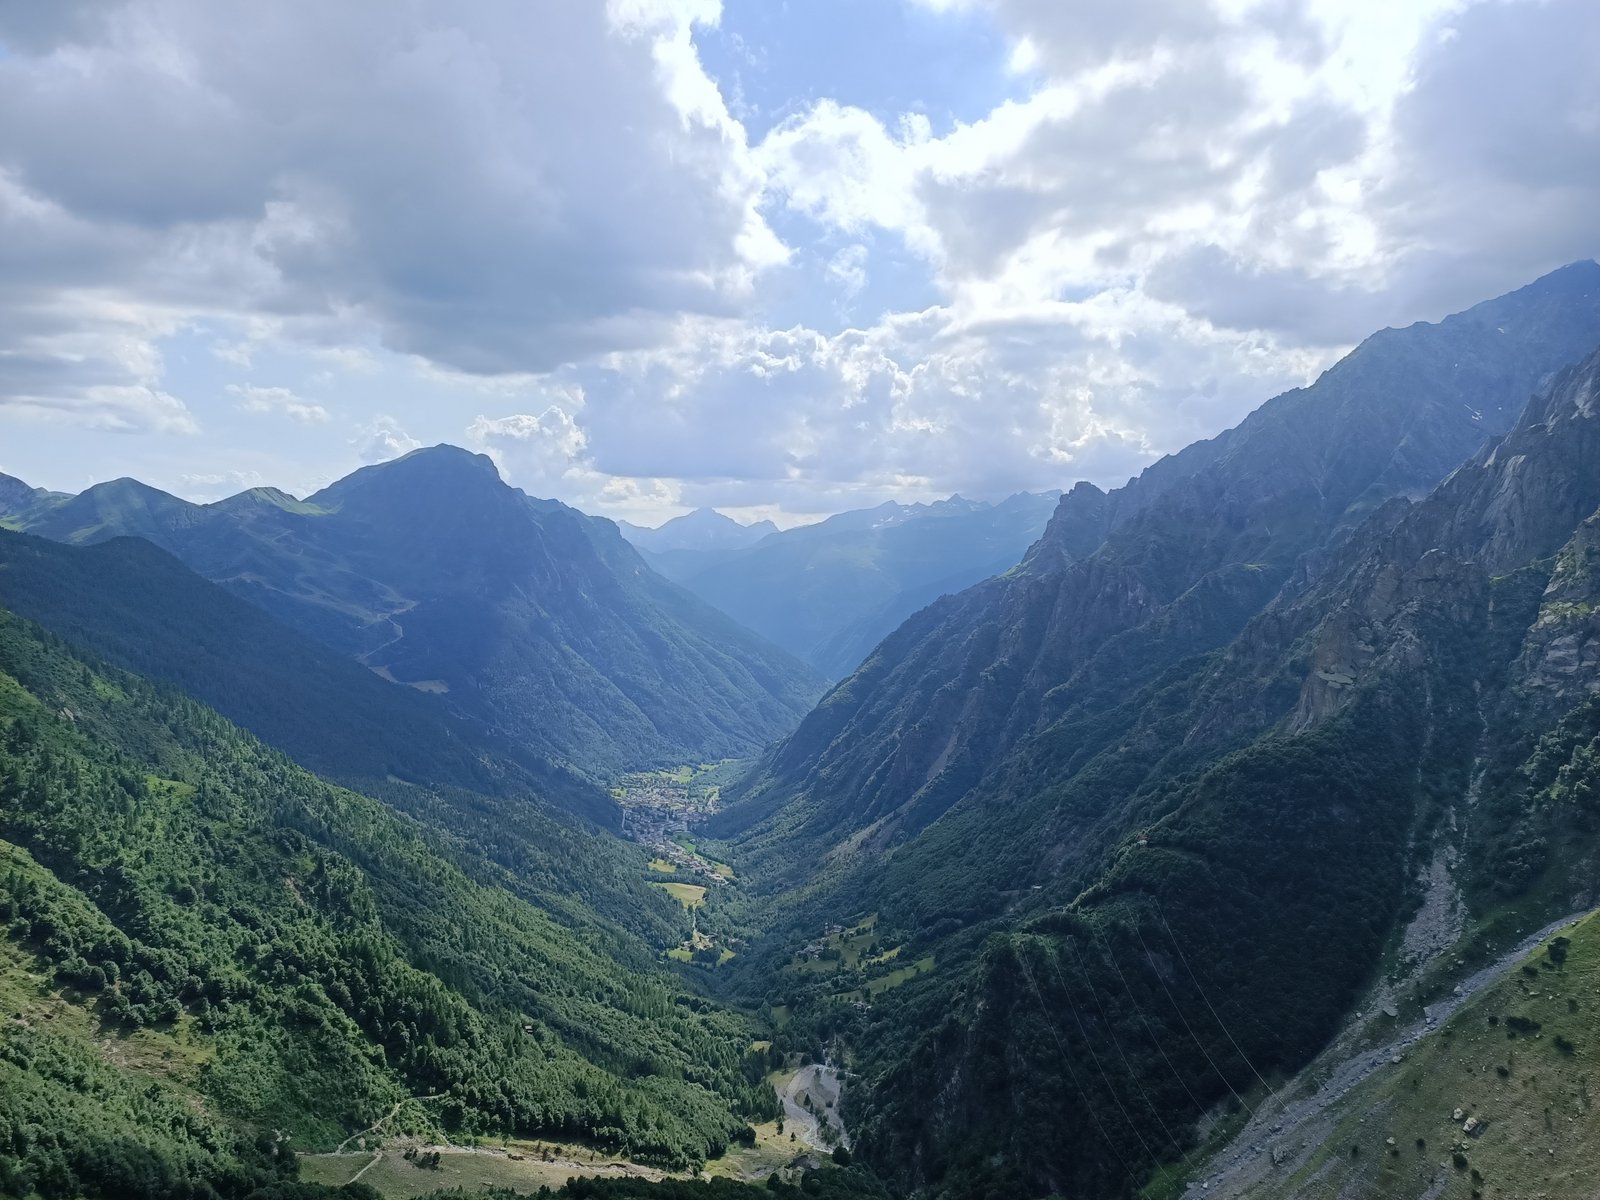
<point x="543" y="452"/>
<point x="848" y="268"/>
<point x="1174" y="208"/>
<point x="496" y="192"/>
<point x="547" y="454"/>
<point x="840" y="165"/>
<point x="1497" y="182"/>
<point x="117" y="408"/>
<point x="1094" y="176"/>
<point x="384" y="439"/>
<point x="1195" y="207"/>
<point x="206" y="486"/>
<point x="920" y="404"/>
<point x="1367" y="161"/>
<point x="277" y="400"/>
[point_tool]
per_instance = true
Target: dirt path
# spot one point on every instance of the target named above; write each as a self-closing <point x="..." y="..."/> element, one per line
<point x="381" y="1121"/>
<point x="1292" y="1122"/>
<point x="825" y="1087"/>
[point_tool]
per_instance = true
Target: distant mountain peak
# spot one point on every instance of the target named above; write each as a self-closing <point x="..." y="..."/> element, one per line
<point x="431" y="472"/>
<point x="14" y="494"/>
<point x="123" y="485"/>
<point x="444" y="457"/>
<point x="699" y="529"/>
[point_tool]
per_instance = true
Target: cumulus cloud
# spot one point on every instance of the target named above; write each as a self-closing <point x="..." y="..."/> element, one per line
<point x="547" y="454"/>
<point x="382" y="440"/>
<point x="1172" y="209"/>
<point x="1498" y="140"/>
<point x="1276" y="140"/>
<point x="505" y="191"/>
<point x="921" y="404"/>
<point x="544" y="452"/>
<point x="1099" y="173"/>
<point x="277" y="400"/>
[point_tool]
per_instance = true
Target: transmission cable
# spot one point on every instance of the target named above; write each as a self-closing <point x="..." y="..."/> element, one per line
<point x="1088" y="1043"/>
<point x="1144" y="1020"/>
<point x="1225" y="1030"/>
<point x="1178" y="1008"/>
<point x="1133" y="1075"/>
<point x="1071" y="1071"/>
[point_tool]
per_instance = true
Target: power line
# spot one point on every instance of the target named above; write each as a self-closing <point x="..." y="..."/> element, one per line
<point x="1088" y="1043"/>
<point x="1222" y="1024"/>
<point x="1105" y="1018"/>
<point x="1159" y="1042"/>
<point x="1323" y="1187"/>
<point x="1178" y="1008"/>
<point x="1071" y="1071"/>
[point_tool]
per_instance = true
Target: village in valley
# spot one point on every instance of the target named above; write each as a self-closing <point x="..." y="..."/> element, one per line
<point x="658" y="806"/>
<point x="657" y="809"/>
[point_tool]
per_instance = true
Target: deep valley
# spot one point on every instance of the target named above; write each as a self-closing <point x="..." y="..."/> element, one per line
<point x="1228" y="831"/>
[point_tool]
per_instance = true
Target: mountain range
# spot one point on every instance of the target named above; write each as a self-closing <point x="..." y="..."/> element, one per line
<point x="700" y="530"/>
<point x="829" y="592"/>
<point x="528" y="616"/>
<point x="1122" y="585"/>
<point x="1235" y="827"/>
<point x="1168" y="791"/>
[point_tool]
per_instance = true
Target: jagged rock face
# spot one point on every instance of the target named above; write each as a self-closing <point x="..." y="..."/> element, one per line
<point x="1425" y="627"/>
<point x="1513" y="505"/>
<point x="1080" y="523"/>
<point x="949" y="693"/>
<point x="1561" y="657"/>
<point x="1376" y="634"/>
<point x="1523" y="496"/>
<point x="1560" y="660"/>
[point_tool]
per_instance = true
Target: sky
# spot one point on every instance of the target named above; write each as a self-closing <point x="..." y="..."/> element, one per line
<point x="781" y="257"/>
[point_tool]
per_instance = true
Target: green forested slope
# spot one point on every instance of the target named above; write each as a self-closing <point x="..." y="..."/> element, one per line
<point x="135" y="605"/>
<point x="495" y="806"/>
<point x="323" y="961"/>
